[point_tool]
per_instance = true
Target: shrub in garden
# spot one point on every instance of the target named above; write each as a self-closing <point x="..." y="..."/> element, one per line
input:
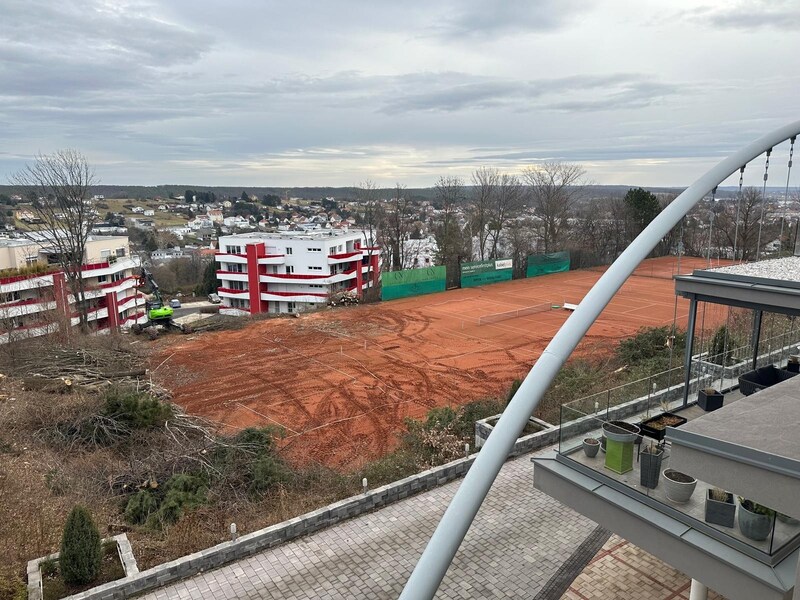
<point x="140" y="506"/>
<point x="81" y="550"/>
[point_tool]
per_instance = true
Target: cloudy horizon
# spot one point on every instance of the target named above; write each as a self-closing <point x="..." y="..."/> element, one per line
<point x="331" y="94"/>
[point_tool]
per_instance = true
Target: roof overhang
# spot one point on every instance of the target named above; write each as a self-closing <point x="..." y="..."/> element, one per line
<point x="759" y="293"/>
<point x="721" y="567"/>
<point x="751" y="446"/>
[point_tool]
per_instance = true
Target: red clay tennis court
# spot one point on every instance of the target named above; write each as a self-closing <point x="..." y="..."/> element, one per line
<point x="340" y="382"/>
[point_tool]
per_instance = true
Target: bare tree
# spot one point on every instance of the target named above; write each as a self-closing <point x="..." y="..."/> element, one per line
<point x="484" y="181"/>
<point x="745" y="234"/>
<point x="396" y="228"/>
<point x="61" y="182"/>
<point x="521" y="244"/>
<point x="508" y="201"/>
<point x="452" y="245"/>
<point x="554" y="188"/>
<point x="367" y="196"/>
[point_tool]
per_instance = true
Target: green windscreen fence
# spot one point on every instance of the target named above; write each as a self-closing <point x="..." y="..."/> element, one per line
<point x="486" y="271"/>
<point x="541" y="264"/>
<point x="413" y="282"/>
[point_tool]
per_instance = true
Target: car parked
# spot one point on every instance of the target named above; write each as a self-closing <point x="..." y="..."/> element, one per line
<point x="175" y="303"/>
<point x="214" y="299"/>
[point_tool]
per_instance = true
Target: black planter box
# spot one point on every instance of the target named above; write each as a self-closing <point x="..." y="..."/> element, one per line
<point x="658" y="434"/>
<point x="650" y="469"/>
<point x="793" y="367"/>
<point x="709" y="402"/>
<point x="720" y="513"/>
<point x="755" y="381"/>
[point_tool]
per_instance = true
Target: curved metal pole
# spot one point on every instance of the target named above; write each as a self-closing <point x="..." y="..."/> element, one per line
<point x="450" y="532"/>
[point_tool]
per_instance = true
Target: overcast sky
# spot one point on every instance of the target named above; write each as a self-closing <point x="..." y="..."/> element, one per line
<point x="206" y="92"/>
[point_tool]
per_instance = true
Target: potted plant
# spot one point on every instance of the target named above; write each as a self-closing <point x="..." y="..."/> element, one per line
<point x="709" y="399"/>
<point x="720" y="508"/>
<point x="656" y="427"/>
<point x="679" y="487"/>
<point x="590" y="447"/>
<point x="755" y="520"/>
<point x="650" y="465"/>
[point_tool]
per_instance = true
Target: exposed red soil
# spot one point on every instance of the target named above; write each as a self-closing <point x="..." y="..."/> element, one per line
<point x="340" y="382"/>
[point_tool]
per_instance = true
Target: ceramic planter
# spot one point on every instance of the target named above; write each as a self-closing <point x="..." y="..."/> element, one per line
<point x="718" y="512"/>
<point x="590" y="447"/>
<point x="678" y="486"/>
<point x="753" y="525"/>
<point x="620" y="437"/>
<point x="650" y="468"/>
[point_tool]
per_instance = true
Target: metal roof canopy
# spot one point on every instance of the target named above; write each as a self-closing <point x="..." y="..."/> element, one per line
<point x="745" y="291"/>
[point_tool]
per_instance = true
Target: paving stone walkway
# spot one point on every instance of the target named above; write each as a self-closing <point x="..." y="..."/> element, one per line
<point x="518" y="542"/>
<point x="622" y="570"/>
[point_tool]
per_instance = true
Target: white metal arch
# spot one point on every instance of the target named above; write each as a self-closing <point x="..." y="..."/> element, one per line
<point x="442" y="547"/>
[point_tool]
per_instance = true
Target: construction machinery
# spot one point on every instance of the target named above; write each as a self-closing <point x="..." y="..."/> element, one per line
<point x="159" y="313"/>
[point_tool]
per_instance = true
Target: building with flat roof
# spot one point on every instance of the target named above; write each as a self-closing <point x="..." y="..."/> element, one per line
<point x="288" y="272"/>
<point x="34" y="294"/>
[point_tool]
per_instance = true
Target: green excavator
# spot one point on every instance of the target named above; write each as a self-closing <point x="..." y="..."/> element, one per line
<point x="158" y="312"/>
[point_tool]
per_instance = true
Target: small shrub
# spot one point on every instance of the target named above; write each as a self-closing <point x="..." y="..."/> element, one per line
<point x="49" y="567"/>
<point x="183" y="492"/>
<point x="265" y="472"/>
<point x="513" y="389"/>
<point x="81" y="552"/>
<point x="135" y="410"/>
<point x="140" y="506"/>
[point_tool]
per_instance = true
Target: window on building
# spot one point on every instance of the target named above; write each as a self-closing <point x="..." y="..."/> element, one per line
<point x="288" y="251"/>
<point x="234" y="268"/>
<point x="9" y="297"/>
<point x="289" y="269"/>
<point x="121" y="252"/>
<point x="105" y="253"/>
<point x="314" y="285"/>
<point x="290" y="307"/>
<point x="239" y="303"/>
<point x="233" y="249"/>
<point x="102" y="278"/>
<point x="314" y="249"/>
<point x="117" y="276"/>
<point x="315" y="268"/>
<point x="236" y="285"/>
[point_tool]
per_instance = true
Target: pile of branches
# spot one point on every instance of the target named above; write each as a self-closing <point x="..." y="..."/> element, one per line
<point x="58" y="369"/>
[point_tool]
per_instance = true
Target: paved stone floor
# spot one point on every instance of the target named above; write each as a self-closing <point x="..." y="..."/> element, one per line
<point x="620" y="571"/>
<point x="519" y="541"/>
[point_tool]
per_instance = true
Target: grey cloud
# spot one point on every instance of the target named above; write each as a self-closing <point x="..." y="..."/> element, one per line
<point x="751" y="15"/>
<point x="477" y="18"/>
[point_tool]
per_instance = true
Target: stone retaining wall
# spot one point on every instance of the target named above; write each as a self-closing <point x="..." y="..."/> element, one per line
<point x="35" y="574"/>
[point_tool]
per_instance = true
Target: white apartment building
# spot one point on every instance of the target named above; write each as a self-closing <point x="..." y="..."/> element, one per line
<point x="35" y="296"/>
<point x="286" y="272"/>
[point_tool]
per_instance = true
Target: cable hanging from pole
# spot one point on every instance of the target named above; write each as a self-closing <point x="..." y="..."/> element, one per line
<point x="738" y="209"/>
<point x="786" y="195"/>
<point x="763" y="203"/>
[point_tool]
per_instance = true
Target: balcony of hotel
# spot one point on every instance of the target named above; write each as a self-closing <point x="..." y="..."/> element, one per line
<point x="231" y="276"/>
<point x="306" y="278"/>
<point x="224" y="257"/>
<point x="224" y="292"/>
<point x="272" y="259"/>
<point x="336" y="259"/>
<point x="700" y="465"/>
